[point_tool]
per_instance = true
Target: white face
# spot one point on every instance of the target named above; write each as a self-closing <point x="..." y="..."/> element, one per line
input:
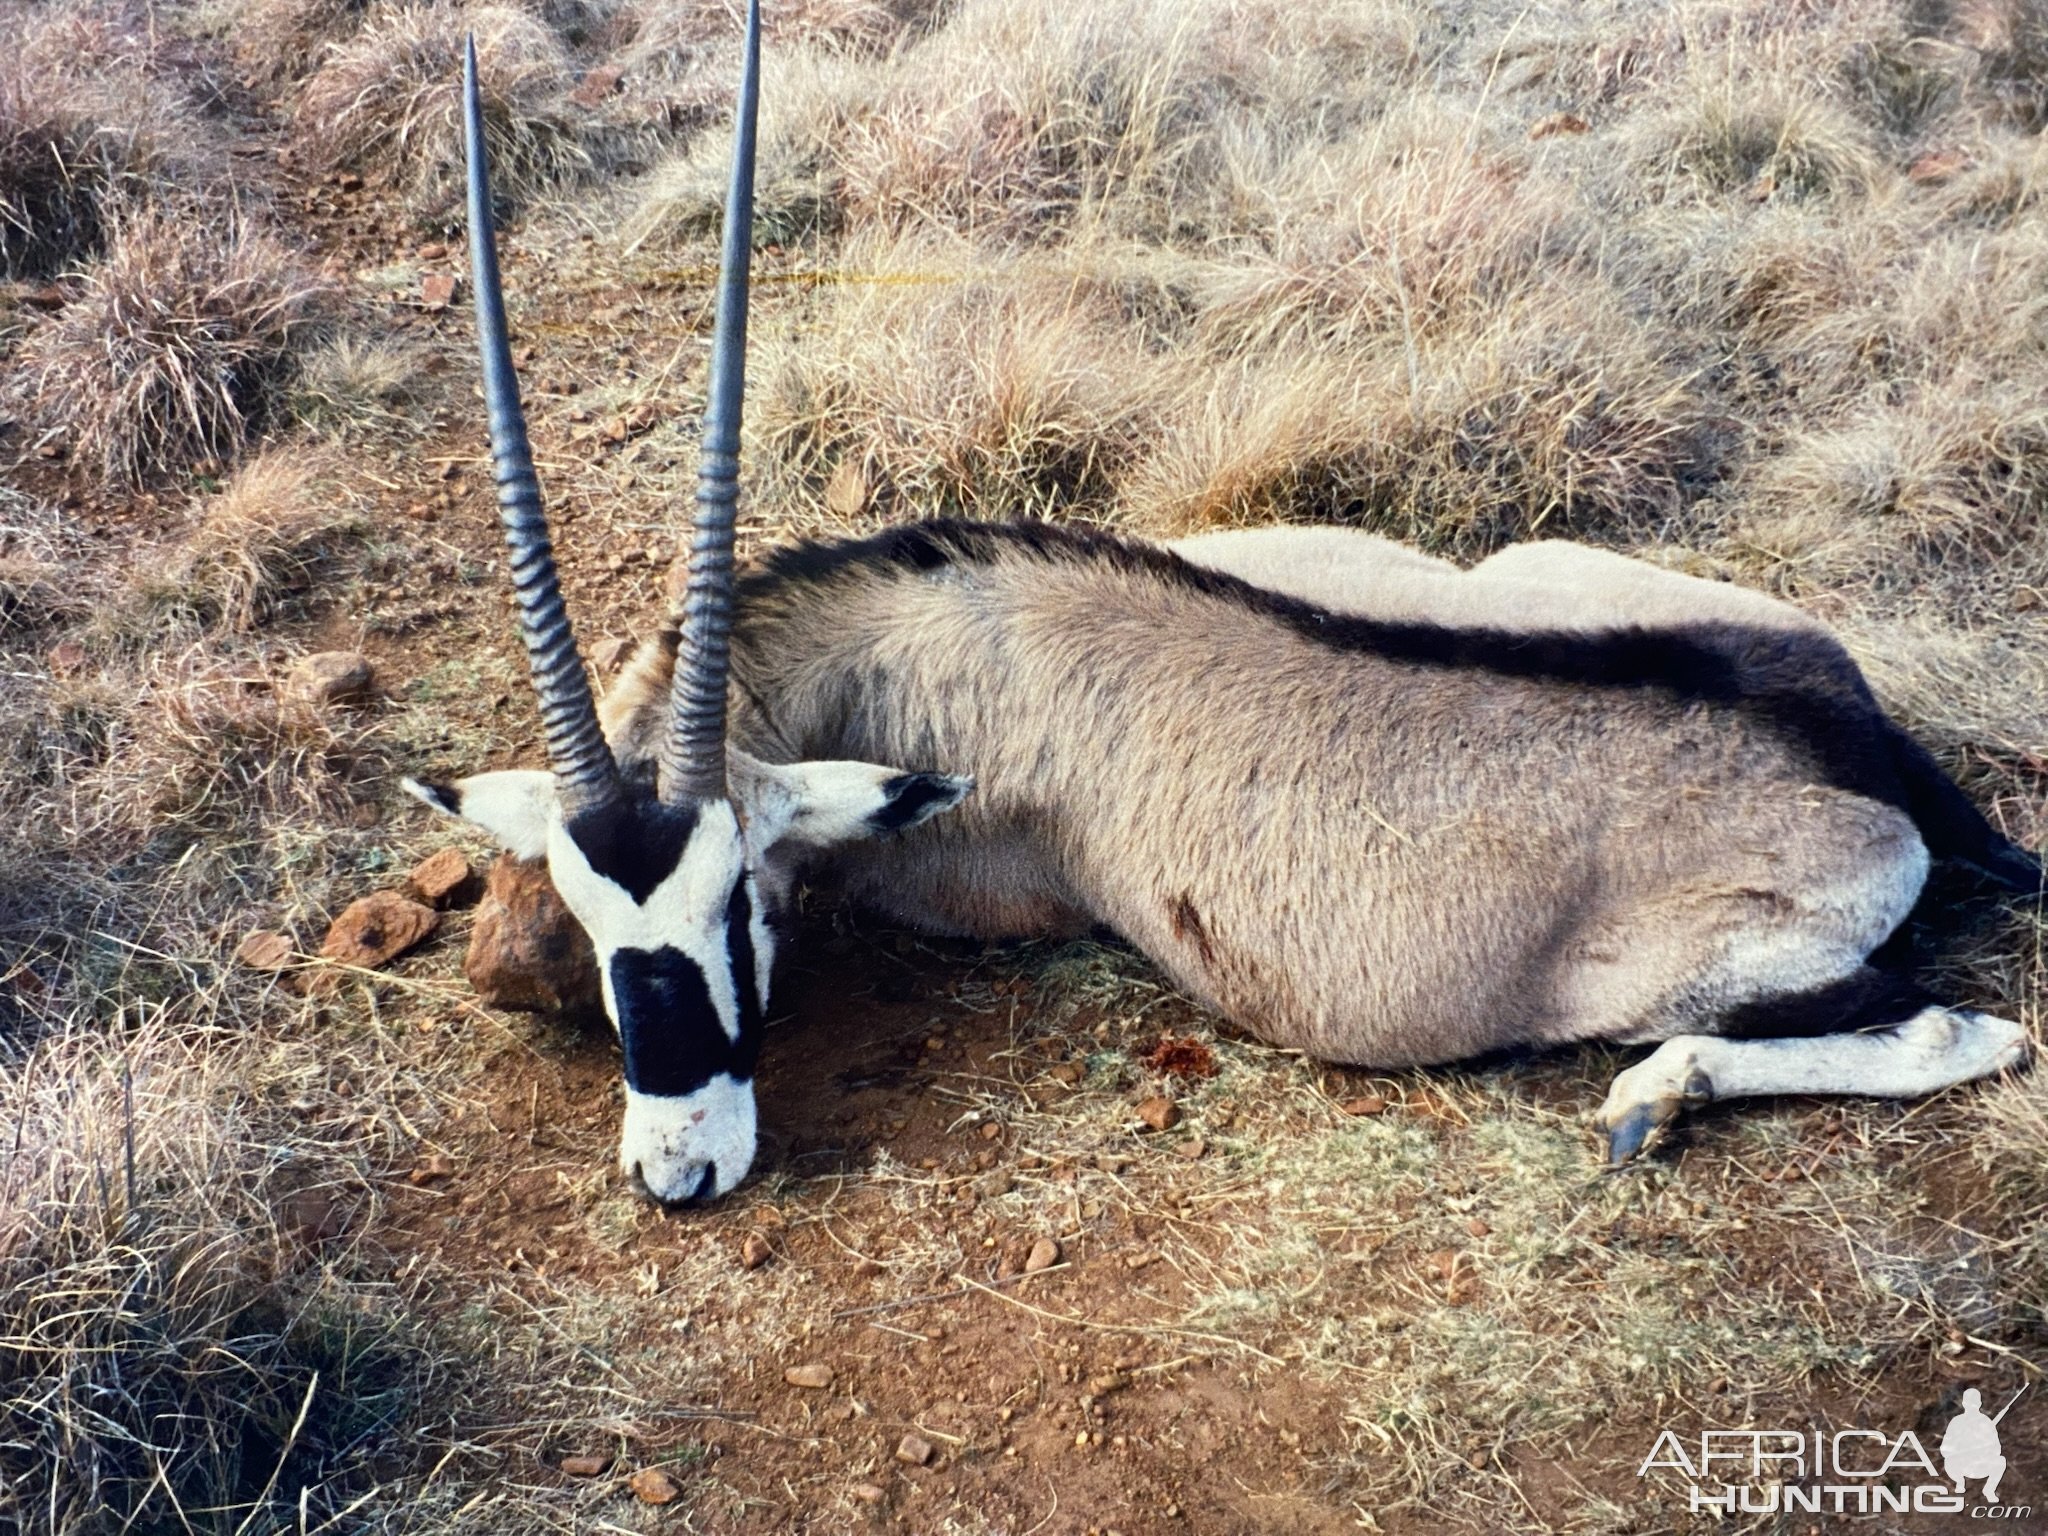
<point x="673" y="903"/>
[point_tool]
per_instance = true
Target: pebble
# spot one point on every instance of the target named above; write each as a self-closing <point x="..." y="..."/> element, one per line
<point x="1159" y="1113"/>
<point x="651" y="1485"/>
<point x="1192" y="1148"/>
<point x="754" y="1251"/>
<point x="375" y="929"/>
<point x="330" y="677"/>
<point x="440" y="879"/>
<point x="868" y="1493"/>
<point x="914" y="1451"/>
<point x="585" y="1466"/>
<point x="1371" y="1104"/>
<point x="814" y="1377"/>
<point x="1044" y="1254"/>
<point x="430" y="1169"/>
<point x="264" y="950"/>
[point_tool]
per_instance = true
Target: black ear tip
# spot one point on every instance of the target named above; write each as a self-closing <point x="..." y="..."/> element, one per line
<point x="442" y="797"/>
<point x="910" y="798"/>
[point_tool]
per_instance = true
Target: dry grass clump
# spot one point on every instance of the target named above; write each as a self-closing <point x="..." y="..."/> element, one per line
<point x="175" y="349"/>
<point x="256" y="543"/>
<point x="386" y="104"/>
<point x="358" y="385"/>
<point x="1554" y="412"/>
<point x="278" y="42"/>
<point x="81" y="136"/>
<point x="1778" y="136"/>
<point x="928" y="382"/>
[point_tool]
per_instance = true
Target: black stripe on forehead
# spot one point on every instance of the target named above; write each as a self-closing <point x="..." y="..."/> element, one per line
<point x="634" y="844"/>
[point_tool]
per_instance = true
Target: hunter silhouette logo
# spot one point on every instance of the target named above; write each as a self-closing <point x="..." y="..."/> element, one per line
<point x="1845" y="1471"/>
<point x="1969" y="1446"/>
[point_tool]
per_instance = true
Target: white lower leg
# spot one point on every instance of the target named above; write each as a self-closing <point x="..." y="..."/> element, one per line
<point x="1933" y="1049"/>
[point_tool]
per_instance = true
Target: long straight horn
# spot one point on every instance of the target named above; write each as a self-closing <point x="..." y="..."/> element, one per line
<point x="693" y="756"/>
<point x="586" y="778"/>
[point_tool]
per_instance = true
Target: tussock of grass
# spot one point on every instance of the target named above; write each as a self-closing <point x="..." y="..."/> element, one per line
<point x="82" y="135"/>
<point x="278" y="42"/>
<point x="175" y="349"/>
<point x="386" y="104"/>
<point x="357" y="386"/>
<point x="1002" y="390"/>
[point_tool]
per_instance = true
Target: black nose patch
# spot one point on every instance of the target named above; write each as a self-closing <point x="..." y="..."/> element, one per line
<point x="669" y="1029"/>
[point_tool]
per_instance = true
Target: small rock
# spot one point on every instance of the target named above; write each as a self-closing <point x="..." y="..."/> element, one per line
<point x="1370" y="1104"/>
<point x="596" y="84"/>
<point x="585" y="1466"/>
<point x="914" y="1451"/>
<point x="1044" y="1254"/>
<point x="995" y="1183"/>
<point x="432" y="1168"/>
<point x="651" y="1485"/>
<point x="436" y="289"/>
<point x="525" y="949"/>
<point x="376" y="930"/>
<point x="433" y="250"/>
<point x="327" y="678"/>
<point x="867" y="1493"/>
<point x="1558" y="122"/>
<point x="66" y="657"/>
<point x="1069" y="1072"/>
<point x="1193" y="1148"/>
<point x="1139" y="1260"/>
<point x="440" y="879"/>
<point x="1159" y="1113"/>
<point x="754" y="1251"/>
<point x="814" y="1377"/>
<point x="1477" y="1226"/>
<point x="264" y="950"/>
<point x="991" y="1131"/>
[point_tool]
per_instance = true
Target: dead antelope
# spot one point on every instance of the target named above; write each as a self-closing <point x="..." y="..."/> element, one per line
<point x="1388" y="840"/>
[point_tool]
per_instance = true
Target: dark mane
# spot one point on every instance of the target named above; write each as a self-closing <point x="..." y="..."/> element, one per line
<point x="1801" y="688"/>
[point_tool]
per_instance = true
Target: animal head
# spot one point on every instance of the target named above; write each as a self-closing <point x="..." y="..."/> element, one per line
<point x="666" y="876"/>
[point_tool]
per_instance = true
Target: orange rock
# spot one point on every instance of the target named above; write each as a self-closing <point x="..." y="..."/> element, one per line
<point x="525" y="949"/>
<point x="376" y="930"/>
<point x="441" y="879"/>
<point x="264" y="950"/>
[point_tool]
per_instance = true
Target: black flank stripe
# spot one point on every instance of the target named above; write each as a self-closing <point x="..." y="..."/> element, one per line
<point x="746" y="982"/>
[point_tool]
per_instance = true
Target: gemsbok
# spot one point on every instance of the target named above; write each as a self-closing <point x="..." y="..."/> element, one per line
<point x="1404" y="835"/>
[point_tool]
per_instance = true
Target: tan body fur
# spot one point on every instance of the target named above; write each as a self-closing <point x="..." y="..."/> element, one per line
<point x="1377" y="861"/>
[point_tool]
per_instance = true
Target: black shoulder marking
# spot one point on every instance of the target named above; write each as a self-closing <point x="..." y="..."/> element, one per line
<point x="636" y="842"/>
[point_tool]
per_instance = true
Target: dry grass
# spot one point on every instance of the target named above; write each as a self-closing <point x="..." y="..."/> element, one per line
<point x="86" y="130"/>
<point x="385" y="104"/>
<point x="275" y="43"/>
<point x="176" y="348"/>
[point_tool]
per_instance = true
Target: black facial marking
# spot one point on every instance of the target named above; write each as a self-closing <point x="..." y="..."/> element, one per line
<point x="635" y="843"/>
<point x="673" y="1040"/>
<point x="913" y="796"/>
<point x="746" y="980"/>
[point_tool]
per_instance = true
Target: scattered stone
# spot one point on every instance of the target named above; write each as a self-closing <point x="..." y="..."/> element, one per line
<point x="868" y="1493"/>
<point x="1138" y="1260"/>
<point x="1044" y="1254"/>
<point x="432" y="1168"/>
<point x="1192" y="1148"/>
<point x="754" y="1251"/>
<point x="376" y="930"/>
<point x="651" y="1485"/>
<point x="66" y="657"/>
<point x="1182" y="1056"/>
<point x="994" y="1184"/>
<point x="441" y="879"/>
<point x="1558" y="122"/>
<point x="840" y="1413"/>
<point x="1477" y="1226"/>
<point x="1370" y="1104"/>
<point x="1161" y="1114"/>
<point x="585" y="1466"/>
<point x="434" y="250"/>
<point x="265" y="950"/>
<point x="327" y="678"/>
<point x="814" y="1377"/>
<point x="525" y="950"/>
<point x="1069" y="1072"/>
<point x="437" y="289"/>
<point x="991" y="1131"/>
<point x="914" y="1451"/>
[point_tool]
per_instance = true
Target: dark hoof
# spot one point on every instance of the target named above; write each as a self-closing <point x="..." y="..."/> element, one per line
<point x="1637" y="1131"/>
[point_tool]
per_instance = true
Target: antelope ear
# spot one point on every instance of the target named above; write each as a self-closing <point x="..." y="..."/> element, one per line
<point x="515" y="806"/>
<point x="819" y="805"/>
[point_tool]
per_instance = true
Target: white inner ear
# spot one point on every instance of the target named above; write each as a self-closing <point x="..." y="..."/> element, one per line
<point x="515" y="806"/>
